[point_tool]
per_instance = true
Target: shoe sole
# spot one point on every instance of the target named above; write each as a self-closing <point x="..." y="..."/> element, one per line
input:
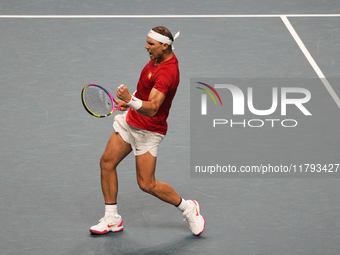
<point x="199" y="211"/>
<point x="95" y="232"/>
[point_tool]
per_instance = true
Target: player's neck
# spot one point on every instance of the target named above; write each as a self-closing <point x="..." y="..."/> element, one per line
<point x="163" y="58"/>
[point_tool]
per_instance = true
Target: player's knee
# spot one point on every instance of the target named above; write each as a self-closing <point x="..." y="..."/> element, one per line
<point x="147" y="187"/>
<point x="105" y="164"/>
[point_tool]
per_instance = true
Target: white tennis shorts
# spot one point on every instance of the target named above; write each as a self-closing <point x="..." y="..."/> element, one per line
<point x="140" y="140"/>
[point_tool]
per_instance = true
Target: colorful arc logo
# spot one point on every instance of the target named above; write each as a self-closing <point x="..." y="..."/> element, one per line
<point x="209" y="93"/>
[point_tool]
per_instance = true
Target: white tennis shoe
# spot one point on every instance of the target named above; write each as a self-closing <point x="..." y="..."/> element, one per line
<point x="194" y="218"/>
<point x="107" y="224"/>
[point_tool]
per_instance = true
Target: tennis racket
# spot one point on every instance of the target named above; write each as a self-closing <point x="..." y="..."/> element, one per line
<point x="98" y="101"/>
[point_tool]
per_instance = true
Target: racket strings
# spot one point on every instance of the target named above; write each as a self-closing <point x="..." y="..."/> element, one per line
<point x="97" y="101"/>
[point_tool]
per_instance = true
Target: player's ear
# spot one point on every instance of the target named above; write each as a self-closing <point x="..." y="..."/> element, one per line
<point x="165" y="46"/>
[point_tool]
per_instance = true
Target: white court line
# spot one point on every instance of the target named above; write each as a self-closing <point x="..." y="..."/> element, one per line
<point x="282" y="16"/>
<point x="311" y="60"/>
<point x="162" y="16"/>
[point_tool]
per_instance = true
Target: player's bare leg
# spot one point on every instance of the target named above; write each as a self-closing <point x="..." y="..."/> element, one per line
<point x="145" y="166"/>
<point x="116" y="150"/>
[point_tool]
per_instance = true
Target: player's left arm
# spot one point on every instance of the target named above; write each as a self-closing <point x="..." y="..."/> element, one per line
<point x="148" y="108"/>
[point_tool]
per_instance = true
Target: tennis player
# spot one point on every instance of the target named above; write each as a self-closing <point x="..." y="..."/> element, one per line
<point x="140" y="129"/>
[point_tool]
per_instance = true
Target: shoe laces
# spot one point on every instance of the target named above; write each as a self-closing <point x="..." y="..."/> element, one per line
<point x="189" y="216"/>
<point x="107" y="218"/>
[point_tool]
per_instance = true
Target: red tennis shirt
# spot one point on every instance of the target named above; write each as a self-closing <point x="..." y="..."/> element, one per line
<point x="163" y="77"/>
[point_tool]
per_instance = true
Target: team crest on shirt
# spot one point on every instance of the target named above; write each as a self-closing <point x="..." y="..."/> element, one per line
<point x="149" y="75"/>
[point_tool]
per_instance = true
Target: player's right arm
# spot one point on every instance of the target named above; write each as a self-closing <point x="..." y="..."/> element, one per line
<point x="147" y="108"/>
<point x="150" y="108"/>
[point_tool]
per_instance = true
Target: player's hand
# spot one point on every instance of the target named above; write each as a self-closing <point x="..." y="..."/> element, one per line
<point x="123" y="106"/>
<point x="123" y="93"/>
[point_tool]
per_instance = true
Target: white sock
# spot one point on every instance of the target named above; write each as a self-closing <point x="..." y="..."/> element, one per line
<point x="111" y="210"/>
<point x="184" y="205"/>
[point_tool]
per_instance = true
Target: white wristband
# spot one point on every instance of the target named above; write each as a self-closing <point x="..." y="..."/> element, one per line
<point x="135" y="103"/>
